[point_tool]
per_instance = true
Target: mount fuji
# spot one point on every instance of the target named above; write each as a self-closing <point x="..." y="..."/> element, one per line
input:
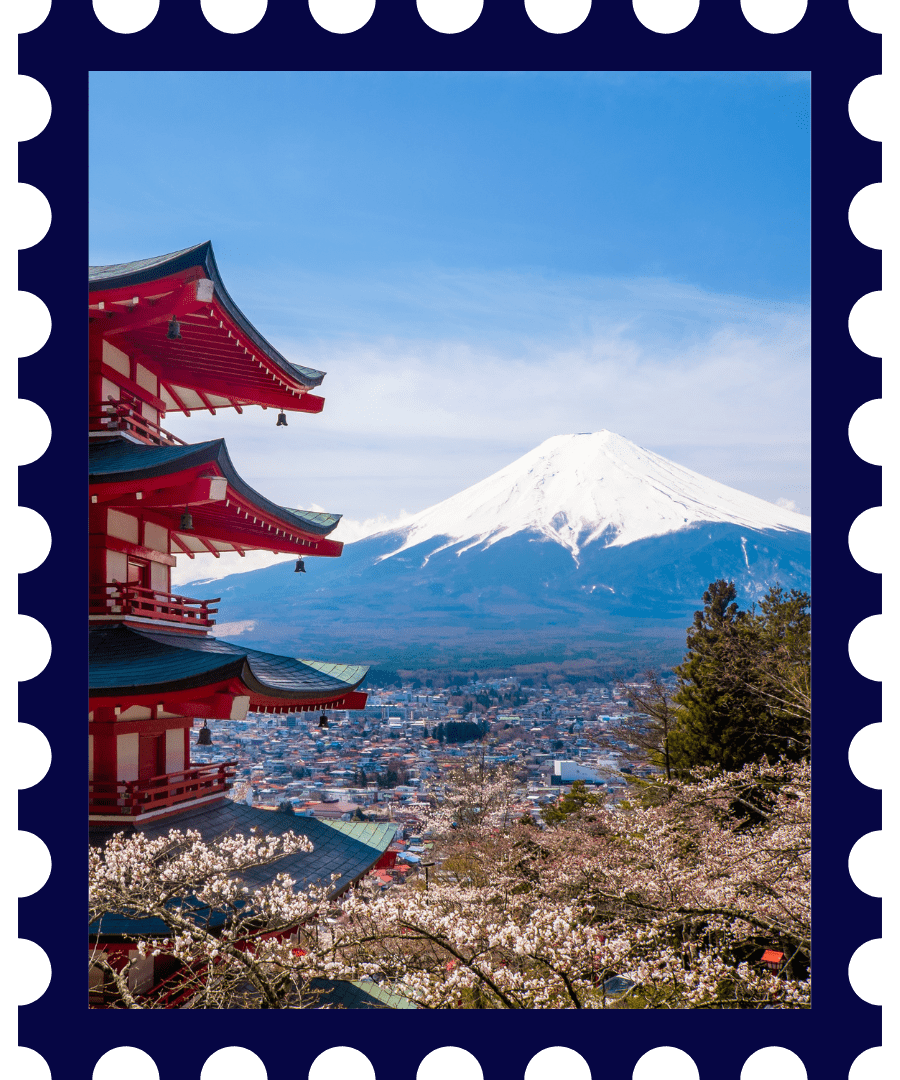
<point x="587" y="544"/>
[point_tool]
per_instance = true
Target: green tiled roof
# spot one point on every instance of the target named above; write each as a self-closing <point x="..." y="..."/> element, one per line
<point x="125" y="659"/>
<point x="314" y="517"/>
<point x="345" y="848"/>
<point x="119" y="458"/>
<point x="340" y="994"/>
<point x="122" y="659"/>
<point x="308" y="374"/>
<point x="349" y="673"/>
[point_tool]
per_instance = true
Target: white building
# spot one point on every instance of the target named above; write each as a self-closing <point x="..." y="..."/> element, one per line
<point x="567" y="771"/>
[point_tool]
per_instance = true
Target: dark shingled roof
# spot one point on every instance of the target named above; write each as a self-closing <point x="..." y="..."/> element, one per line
<point x="127" y="660"/>
<point x="141" y="271"/>
<point x="119" y="460"/>
<point x="345" y="848"/>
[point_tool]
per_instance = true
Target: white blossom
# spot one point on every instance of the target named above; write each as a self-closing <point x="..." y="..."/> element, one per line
<point x="680" y="895"/>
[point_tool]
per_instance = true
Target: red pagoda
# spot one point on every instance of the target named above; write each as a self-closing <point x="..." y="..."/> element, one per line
<point x="165" y="336"/>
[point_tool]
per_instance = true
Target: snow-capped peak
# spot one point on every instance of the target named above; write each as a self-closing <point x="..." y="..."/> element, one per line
<point x="587" y="488"/>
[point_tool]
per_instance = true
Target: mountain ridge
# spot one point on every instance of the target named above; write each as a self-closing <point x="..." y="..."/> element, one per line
<point x="588" y="487"/>
<point x="585" y="545"/>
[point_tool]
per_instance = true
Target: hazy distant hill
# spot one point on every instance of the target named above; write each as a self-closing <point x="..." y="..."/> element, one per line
<point x="588" y="544"/>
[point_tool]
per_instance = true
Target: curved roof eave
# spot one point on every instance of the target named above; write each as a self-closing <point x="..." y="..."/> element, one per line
<point x="129" y="660"/>
<point x="153" y="461"/>
<point x="125" y="663"/>
<point x="257" y="678"/>
<point x="142" y="271"/>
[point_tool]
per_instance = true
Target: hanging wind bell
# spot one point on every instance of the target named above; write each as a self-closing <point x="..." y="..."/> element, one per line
<point x="282" y="420"/>
<point x="299" y="567"/>
<point x="204" y="736"/>
<point x="174" y="331"/>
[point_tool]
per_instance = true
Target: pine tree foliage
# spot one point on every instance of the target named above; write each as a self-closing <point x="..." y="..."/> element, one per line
<point x="460" y="731"/>
<point x="744" y="685"/>
<point x="579" y="799"/>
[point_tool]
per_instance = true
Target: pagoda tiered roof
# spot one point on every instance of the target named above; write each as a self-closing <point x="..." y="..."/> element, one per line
<point x="228" y="514"/>
<point x="218" y="359"/>
<point x="136" y="666"/>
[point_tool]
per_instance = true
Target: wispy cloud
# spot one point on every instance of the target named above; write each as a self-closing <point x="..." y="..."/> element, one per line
<point x="437" y="378"/>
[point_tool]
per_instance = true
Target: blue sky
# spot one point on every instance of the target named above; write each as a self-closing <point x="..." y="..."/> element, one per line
<point x="480" y="261"/>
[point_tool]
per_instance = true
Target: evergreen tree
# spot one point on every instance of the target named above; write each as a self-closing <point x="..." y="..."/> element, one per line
<point x="578" y="798"/>
<point x="459" y="731"/>
<point x="784" y="637"/>
<point x="714" y="718"/>
<point x="744" y="684"/>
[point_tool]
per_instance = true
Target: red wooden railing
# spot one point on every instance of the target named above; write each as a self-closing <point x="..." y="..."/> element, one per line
<point x="126" y="416"/>
<point x="120" y="598"/>
<point x="176" y="988"/>
<point x="129" y="798"/>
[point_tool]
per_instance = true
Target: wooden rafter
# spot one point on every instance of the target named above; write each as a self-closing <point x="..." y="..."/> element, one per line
<point x="206" y="401"/>
<point x="182" y="547"/>
<point x="181" y="405"/>
<point x="209" y="547"/>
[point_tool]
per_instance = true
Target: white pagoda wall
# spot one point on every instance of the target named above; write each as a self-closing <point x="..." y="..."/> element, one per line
<point x="127" y="749"/>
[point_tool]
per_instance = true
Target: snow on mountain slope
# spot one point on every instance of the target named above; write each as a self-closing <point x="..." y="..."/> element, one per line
<point x="591" y="487"/>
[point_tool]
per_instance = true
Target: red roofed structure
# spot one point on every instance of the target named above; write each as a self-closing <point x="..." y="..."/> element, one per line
<point x="166" y="336"/>
<point x="772" y="959"/>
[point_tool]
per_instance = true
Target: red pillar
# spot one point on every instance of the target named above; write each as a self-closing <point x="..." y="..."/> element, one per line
<point x="104" y="751"/>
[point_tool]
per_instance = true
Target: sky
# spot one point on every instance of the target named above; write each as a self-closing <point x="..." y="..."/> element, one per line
<point x="482" y="260"/>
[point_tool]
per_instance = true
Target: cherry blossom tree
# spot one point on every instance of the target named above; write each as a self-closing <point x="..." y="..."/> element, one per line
<point x="227" y="945"/>
<point x="678" y="895"/>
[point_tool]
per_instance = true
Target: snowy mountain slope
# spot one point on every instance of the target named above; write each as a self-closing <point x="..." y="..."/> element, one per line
<point x="591" y="488"/>
<point x="587" y="543"/>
